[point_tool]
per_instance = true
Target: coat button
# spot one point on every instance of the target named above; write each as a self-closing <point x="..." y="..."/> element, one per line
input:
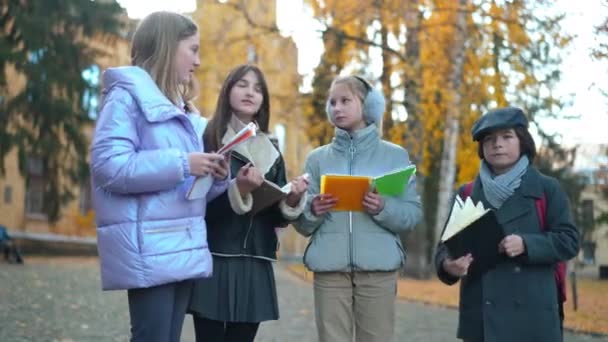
<point x="516" y="269"/>
<point x="488" y="302"/>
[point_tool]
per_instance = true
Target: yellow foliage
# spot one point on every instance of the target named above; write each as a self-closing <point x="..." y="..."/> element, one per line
<point x="493" y="71"/>
<point x="229" y="39"/>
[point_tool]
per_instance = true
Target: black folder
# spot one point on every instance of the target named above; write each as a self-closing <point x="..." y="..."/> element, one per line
<point x="481" y="239"/>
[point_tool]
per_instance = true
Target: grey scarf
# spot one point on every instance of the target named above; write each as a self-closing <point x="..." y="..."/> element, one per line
<point x="498" y="188"/>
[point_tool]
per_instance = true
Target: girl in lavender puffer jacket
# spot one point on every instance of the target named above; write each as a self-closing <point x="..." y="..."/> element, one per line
<point x="146" y="150"/>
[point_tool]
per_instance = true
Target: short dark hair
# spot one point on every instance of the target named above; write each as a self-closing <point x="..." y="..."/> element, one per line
<point x="526" y="143"/>
<point x="217" y="126"/>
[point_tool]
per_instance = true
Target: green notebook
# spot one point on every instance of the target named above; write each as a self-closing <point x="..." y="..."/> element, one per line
<point x="394" y="182"/>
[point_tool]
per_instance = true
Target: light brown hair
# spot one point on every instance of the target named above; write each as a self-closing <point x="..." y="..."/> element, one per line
<point x="354" y="84"/>
<point x="154" y="46"/>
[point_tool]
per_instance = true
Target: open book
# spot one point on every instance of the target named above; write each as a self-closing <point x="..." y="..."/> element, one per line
<point x="267" y="195"/>
<point x="201" y="185"/>
<point x="350" y="190"/>
<point x="473" y="229"/>
<point x="394" y="183"/>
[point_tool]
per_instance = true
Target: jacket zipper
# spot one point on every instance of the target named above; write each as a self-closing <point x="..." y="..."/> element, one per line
<point x="237" y="156"/>
<point x="350" y="213"/>
<point x="248" y="230"/>
<point x="166" y="229"/>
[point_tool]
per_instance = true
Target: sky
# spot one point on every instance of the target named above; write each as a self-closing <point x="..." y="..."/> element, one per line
<point x="582" y="76"/>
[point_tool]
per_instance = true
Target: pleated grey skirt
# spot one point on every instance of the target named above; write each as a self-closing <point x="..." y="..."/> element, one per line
<point x="241" y="289"/>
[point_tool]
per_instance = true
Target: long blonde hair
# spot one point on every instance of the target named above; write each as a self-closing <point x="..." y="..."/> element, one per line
<point x="153" y="48"/>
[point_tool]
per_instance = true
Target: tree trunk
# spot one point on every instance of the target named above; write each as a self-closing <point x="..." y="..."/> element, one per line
<point x="452" y="127"/>
<point x="418" y="245"/>
<point x="385" y="78"/>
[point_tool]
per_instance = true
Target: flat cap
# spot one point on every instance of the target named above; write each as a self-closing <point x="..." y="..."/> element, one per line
<point x="508" y="117"/>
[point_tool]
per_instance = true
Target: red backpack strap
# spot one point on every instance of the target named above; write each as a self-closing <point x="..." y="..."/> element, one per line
<point x="560" y="267"/>
<point x="467" y="190"/>
<point x="541" y="210"/>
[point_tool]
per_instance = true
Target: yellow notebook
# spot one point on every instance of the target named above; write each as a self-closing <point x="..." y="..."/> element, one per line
<point x="349" y="190"/>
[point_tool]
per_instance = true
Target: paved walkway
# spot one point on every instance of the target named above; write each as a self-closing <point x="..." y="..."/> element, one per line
<point x="59" y="300"/>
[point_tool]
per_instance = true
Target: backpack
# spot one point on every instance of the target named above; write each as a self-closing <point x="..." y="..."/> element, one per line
<point x="541" y="210"/>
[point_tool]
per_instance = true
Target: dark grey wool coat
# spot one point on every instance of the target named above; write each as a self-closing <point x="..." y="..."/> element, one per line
<point x="517" y="300"/>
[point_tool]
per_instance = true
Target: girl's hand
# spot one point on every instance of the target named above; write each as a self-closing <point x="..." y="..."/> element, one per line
<point x="322" y="204"/>
<point x="221" y="170"/>
<point x="512" y="245"/>
<point x="248" y="179"/>
<point x="298" y="188"/>
<point x="202" y="164"/>
<point x="459" y="267"/>
<point x="373" y="203"/>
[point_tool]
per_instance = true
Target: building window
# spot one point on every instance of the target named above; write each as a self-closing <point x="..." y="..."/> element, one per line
<point x="8" y="194"/>
<point x="588" y="249"/>
<point x="34" y="195"/>
<point x="90" y="96"/>
<point x="36" y="56"/>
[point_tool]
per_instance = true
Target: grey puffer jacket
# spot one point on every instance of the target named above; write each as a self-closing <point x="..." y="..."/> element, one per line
<point x="343" y="241"/>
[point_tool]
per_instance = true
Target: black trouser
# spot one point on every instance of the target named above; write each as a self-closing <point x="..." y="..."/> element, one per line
<point x="157" y="313"/>
<point x="208" y="330"/>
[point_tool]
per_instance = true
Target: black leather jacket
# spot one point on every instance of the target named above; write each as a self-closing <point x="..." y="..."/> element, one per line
<point x="230" y="234"/>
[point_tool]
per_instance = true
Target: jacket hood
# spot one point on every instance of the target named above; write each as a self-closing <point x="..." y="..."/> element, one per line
<point x="139" y="84"/>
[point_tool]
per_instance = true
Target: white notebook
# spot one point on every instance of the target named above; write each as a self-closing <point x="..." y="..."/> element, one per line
<point x="201" y="185"/>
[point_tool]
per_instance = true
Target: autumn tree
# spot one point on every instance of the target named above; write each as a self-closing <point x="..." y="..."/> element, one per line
<point x="455" y="48"/>
<point x="343" y="21"/>
<point x="45" y="42"/>
<point x="448" y="62"/>
<point x="443" y="63"/>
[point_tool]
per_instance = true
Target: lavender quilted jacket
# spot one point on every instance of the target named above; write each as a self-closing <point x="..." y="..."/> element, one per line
<point x="148" y="233"/>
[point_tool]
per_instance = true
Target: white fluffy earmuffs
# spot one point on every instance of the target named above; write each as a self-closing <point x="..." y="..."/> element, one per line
<point x="374" y="104"/>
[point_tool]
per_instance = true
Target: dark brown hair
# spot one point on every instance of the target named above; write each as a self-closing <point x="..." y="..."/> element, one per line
<point x="223" y="111"/>
<point x="526" y="143"/>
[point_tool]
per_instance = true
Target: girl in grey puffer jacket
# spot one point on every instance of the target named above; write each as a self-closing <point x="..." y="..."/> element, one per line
<point x="355" y="254"/>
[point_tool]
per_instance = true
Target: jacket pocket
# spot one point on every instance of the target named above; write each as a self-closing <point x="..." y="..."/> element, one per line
<point x="327" y="252"/>
<point x="170" y="236"/>
<point x="402" y="250"/>
<point x="377" y="251"/>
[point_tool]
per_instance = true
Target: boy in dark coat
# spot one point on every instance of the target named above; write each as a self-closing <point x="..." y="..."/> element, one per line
<point x="517" y="300"/>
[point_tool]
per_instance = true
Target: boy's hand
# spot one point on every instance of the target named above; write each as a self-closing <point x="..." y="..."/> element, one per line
<point x="459" y="267"/>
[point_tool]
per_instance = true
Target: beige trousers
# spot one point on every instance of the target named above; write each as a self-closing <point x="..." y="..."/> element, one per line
<point x="360" y="304"/>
